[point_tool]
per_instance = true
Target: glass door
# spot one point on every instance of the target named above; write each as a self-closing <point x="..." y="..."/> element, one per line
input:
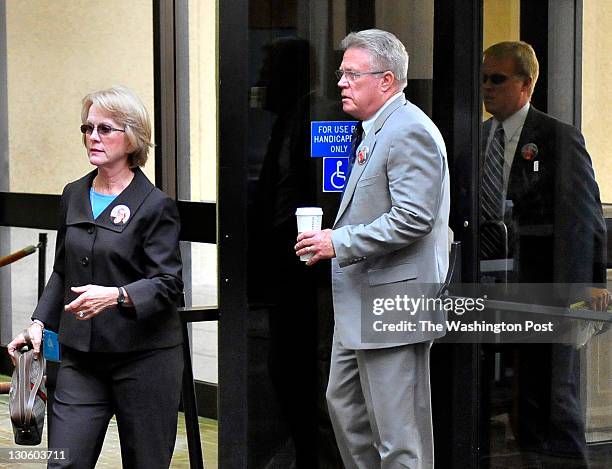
<point x="293" y="51"/>
<point x="544" y="397"/>
<point x="276" y="83"/>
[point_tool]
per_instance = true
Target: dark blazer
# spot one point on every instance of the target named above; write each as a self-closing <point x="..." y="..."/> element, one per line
<point x="142" y="255"/>
<point x="556" y="237"/>
<point x="556" y="228"/>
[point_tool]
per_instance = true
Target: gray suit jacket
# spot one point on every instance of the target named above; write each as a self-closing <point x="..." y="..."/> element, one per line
<point x="392" y="224"/>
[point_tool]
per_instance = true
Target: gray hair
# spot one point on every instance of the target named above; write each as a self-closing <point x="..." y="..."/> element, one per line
<point x="386" y="50"/>
<point x="127" y="110"/>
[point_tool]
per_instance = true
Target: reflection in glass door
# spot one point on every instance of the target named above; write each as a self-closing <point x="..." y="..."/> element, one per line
<point x="542" y="402"/>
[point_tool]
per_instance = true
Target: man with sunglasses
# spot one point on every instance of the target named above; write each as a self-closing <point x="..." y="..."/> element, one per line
<point x="538" y="185"/>
<point x="390" y="238"/>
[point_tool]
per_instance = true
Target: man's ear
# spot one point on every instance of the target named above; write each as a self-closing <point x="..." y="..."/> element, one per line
<point x="527" y="81"/>
<point x="388" y="80"/>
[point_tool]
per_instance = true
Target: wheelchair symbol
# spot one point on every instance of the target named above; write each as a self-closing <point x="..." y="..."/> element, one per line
<point x="338" y="178"/>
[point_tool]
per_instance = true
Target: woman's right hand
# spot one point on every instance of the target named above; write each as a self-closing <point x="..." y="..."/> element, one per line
<point x="35" y="331"/>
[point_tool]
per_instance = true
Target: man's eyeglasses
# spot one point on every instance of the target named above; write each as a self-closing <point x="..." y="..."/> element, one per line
<point x="103" y="129"/>
<point x="495" y="78"/>
<point x="352" y="76"/>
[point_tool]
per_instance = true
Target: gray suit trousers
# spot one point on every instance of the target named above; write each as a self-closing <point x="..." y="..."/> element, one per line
<point x="380" y="406"/>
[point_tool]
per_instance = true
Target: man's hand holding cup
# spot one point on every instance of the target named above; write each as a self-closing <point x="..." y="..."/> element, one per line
<point x="313" y="244"/>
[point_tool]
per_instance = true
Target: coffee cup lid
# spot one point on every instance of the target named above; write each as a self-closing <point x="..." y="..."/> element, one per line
<point x="309" y="211"/>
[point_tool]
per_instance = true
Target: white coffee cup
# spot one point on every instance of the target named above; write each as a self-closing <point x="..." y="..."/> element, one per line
<point x="308" y="219"/>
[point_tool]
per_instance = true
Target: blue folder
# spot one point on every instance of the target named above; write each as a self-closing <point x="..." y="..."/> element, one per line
<point x="51" y="346"/>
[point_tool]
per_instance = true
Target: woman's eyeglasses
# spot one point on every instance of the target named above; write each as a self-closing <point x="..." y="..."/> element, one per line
<point x="103" y="129"/>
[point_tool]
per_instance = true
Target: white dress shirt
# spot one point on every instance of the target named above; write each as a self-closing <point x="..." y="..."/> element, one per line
<point x="368" y="124"/>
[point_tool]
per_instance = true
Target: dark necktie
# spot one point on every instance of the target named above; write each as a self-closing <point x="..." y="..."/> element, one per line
<point x="493" y="237"/>
<point x="355" y="141"/>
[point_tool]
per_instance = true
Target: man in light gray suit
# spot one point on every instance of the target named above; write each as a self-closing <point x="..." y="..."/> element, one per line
<point x="391" y="230"/>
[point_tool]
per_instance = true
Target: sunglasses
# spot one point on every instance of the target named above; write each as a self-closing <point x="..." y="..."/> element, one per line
<point x="495" y="78"/>
<point x="103" y="129"/>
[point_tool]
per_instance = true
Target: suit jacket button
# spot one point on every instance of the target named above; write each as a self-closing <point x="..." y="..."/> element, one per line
<point x="85" y="261"/>
<point x="90" y="230"/>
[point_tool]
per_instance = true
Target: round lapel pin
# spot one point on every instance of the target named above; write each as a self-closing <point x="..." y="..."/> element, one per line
<point x="529" y="151"/>
<point x="120" y="214"/>
<point x="362" y="155"/>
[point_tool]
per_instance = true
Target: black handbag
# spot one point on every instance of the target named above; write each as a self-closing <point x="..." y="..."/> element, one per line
<point x="28" y="397"/>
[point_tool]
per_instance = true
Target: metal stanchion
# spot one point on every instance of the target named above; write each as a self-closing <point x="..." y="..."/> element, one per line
<point x="194" y="444"/>
<point x="15" y="256"/>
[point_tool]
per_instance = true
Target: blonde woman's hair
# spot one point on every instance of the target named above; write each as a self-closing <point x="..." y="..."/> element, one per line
<point x="125" y="108"/>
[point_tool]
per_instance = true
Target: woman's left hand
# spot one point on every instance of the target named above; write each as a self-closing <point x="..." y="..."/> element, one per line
<point x="93" y="299"/>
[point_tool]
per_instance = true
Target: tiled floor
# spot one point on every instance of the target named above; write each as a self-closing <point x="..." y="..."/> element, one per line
<point x="110" y="457"/>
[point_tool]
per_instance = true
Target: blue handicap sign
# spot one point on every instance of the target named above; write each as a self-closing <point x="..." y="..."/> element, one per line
<point x="335" y="171"/>
<point x="331" y="138"/>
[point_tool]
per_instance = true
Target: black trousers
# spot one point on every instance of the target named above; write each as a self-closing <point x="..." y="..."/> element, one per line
<point x="142" y="389"/>
<point x="550" y="423"/>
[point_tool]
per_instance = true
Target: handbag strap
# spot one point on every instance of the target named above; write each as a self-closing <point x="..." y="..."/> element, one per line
<point x="34" y="390"/>
<point x="29" y="390"/>
<point x="23" y="376"/>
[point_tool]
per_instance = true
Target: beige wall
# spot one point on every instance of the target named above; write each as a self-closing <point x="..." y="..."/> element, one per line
<point x="338" y="22"/>
<point x="203" y="98"/>
<point x="501" y="21"/>
<point x="413" y="22"/>
<point x="58" y="51"/>
<point x="203" y="172"/>
<point x="596" y="91"/>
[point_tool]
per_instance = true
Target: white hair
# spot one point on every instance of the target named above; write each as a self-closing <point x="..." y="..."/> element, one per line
<point x="386" y="50"/>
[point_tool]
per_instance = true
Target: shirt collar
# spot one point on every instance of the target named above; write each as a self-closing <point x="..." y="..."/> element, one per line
<point x="513" y="123"/>
<point x="367" y="124"/>
<point x="78" y="203"/>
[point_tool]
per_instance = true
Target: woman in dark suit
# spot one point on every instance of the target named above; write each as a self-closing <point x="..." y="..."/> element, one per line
<point x="113" y="297"/>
